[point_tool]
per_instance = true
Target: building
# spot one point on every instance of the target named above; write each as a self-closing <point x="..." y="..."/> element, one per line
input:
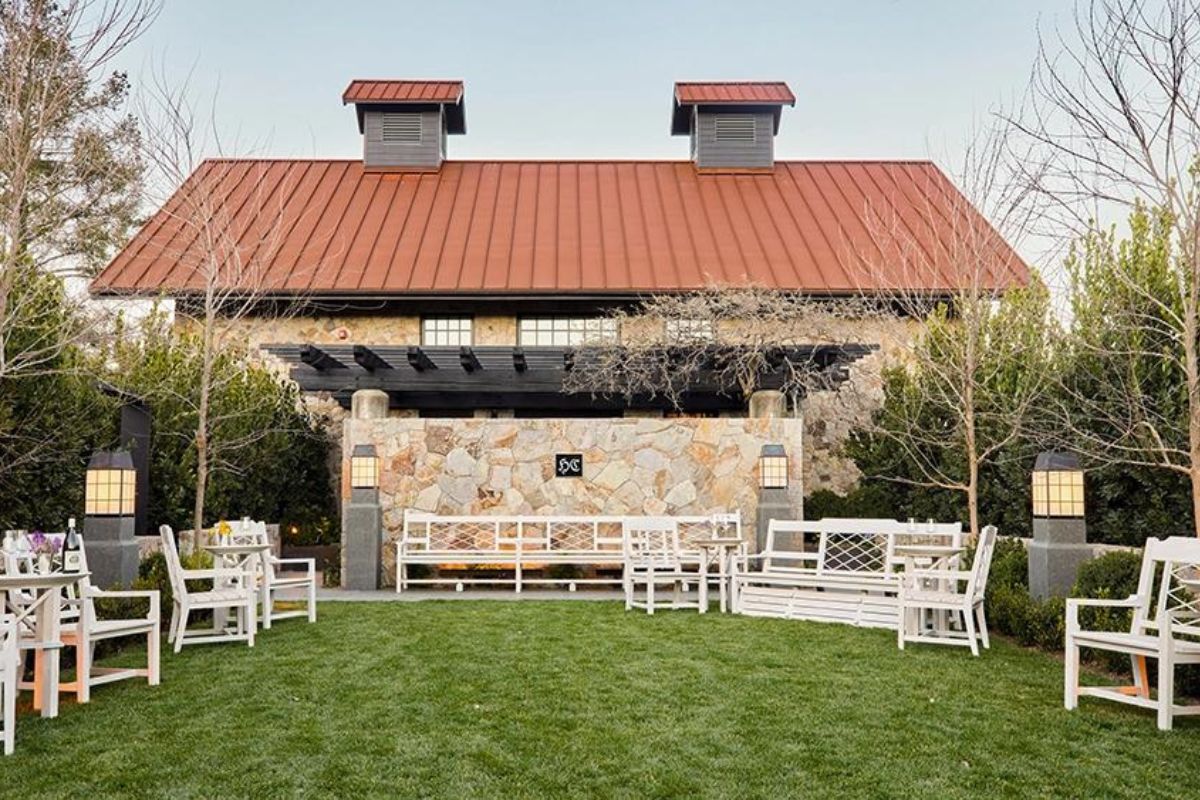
<point x="462" y="291"/>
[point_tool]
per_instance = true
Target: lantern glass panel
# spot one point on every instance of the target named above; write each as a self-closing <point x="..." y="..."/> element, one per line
<point x="364" y="472"/>
<point x="1058" y="493"/>
<point x="773" y="472"/>
<point x="109" y="492"/>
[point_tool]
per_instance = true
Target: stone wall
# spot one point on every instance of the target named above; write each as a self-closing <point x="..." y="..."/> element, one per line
<point x="631" y="466"/>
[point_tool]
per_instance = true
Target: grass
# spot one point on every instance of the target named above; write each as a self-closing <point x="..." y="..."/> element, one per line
<point x="463" y="699"/>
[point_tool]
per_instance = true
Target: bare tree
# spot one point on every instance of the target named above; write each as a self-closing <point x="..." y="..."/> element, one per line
<point x="70" y="185"/>
<point x="227" y="220"/>
<point x="977" y="368"/>
<point x="69" y="171"/>
<point x="728" y="340"/>
<point x="1113" y="117"/>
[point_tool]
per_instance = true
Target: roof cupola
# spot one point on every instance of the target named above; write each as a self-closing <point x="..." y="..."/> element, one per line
<point x="404" y="123"/>
<point x="732" y="124"/>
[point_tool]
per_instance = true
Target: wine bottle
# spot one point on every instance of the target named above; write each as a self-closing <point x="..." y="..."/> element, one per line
<point x="72" y="551"/>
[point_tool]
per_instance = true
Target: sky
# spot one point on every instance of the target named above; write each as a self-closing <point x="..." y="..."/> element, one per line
<point x="873" y="78"/>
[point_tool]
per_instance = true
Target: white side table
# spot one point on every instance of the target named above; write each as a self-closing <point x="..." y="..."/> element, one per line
<point x="722" y="549"/>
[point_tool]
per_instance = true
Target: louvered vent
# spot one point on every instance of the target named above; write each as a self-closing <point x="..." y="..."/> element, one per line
<point x="734" y="128"/>
<point x="401" y="128"/>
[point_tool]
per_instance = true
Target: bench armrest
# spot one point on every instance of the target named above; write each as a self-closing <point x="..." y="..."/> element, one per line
<point x="1133" y="601"/>
<point x="212" y="574"/>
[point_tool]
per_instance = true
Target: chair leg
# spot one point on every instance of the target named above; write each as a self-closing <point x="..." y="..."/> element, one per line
<point x="83" y="668"/>
<point x="251" y="611"/>
<point x="268" y="604"/>
<point x="982" y="622"/>
<point x="1166" y="691"/>
<point x="172" y="632"/>
<point x="154" y="655"/>
<point x="704" y="594"/>
<point x="1071" y="675"/>
<point x="312" y="600"/>
<point x="183" y="620"/>
<point x="901" y="627"/>
<point x="8" y="690"/>
<point x="972" y="637"/>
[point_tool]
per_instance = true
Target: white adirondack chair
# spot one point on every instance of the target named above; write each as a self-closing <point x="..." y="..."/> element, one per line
<point x="948" y="590"/>
<point x="271" y="581"/>
<point x="9" y="664"/>
<point x="1166" y="627"/>
<point x="239" y="597"/>
<point x="87" y="629"/>
<point x="654" y="556"/>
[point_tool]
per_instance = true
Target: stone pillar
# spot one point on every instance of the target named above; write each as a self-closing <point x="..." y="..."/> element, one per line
<point x="112" y="550"/>
<point x="362" y="539"/>
<point x="362" y="517"/>
<point x="773" y="503"/>
<point x="767" y="404"/>
<point x="1058" y="549"/>
<point x="369" y="404"/>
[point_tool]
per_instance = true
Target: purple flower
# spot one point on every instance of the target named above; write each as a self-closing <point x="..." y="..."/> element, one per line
<point x="44" y="545"/>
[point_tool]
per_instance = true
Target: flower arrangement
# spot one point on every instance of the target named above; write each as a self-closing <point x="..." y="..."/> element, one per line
<point x="223" y="529"/>
<point x="44" y="545"/>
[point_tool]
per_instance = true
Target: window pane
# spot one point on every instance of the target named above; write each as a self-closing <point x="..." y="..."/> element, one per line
<point x="446" y="331"/>
<point x="566" y="331"/>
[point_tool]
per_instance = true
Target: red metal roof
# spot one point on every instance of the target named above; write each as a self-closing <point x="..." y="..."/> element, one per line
<point x="718" y="92"/>
<point x="363" y="90"/>
<point x="332" y="228"/>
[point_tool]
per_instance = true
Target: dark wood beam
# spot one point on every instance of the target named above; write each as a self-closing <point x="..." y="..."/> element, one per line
<point x="519" y="363"/>
<point x="318" y="359"/>
<point x="568" y="360"/>
<point x="368" y="359"/>
<point x="418" y="360"/>
<point x="468" y="359"/>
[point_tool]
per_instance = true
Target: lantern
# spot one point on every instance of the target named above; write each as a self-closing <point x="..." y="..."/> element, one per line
<point x="364" y="467"/>
<point x="773" y="467"/>
<point x="1057" y="486"/>
<point x="110" y="485"/>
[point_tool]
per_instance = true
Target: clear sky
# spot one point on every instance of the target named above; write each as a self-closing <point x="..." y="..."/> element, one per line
<point x="873" y="78"/>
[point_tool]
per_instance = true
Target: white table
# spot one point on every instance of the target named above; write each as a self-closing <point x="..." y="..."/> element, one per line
<point x="44" y="602"/>
<point x="237" y="558"/>
<point x="722" y="549"/>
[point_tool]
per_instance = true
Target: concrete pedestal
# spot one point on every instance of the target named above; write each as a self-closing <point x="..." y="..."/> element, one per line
<point x="1058" y="549"/>
<point x="112" y="550"/>
<point x="772" y="504"/>
<point x="362" y="540"/>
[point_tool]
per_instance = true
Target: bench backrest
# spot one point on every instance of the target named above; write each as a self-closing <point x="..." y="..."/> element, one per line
<point x="545" y="533"/>
<point x="849" y="545"/>
<point x="1164" y="563"/>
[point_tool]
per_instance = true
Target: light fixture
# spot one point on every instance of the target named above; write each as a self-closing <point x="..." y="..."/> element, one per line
<point x="364" y="467"/>
<point x="773" y="467"/>
<point x="110" y="484"/>
<point x="1057" y="485"/>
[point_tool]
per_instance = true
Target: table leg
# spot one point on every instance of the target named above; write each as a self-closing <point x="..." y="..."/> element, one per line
<point x="46" y="656"/>
<point x="723" y="578"/>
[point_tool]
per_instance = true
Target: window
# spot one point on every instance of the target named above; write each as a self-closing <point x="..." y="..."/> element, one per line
<point x="401" y="128"/>
<point x="691" y="331"/>
<point x="566" y="331"/>
<point x="446" y="331"/>
<point x="734" y="128"/>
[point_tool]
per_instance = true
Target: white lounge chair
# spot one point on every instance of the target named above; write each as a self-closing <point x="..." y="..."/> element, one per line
<point x="1165" y="626"/>
<point x="9" y="664"/>
<point x="959" y="592"/>
<point x="88" y="628"/>
<point x="271" y="581"/>
<point x="654" y="556"/>
<point x="238" y="596"/>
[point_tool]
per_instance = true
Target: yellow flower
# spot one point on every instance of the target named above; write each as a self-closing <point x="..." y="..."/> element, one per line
<point x="223" y="528"/>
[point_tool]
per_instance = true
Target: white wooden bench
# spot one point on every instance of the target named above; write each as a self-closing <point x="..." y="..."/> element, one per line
<point x="833" y="570"/>
<point x="522" y="543"/>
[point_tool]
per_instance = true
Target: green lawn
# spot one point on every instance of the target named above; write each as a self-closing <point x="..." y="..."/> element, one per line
<point x="463" y="699"/>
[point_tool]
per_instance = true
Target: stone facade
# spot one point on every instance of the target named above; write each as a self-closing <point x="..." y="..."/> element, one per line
<point x="631" y="466"/>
